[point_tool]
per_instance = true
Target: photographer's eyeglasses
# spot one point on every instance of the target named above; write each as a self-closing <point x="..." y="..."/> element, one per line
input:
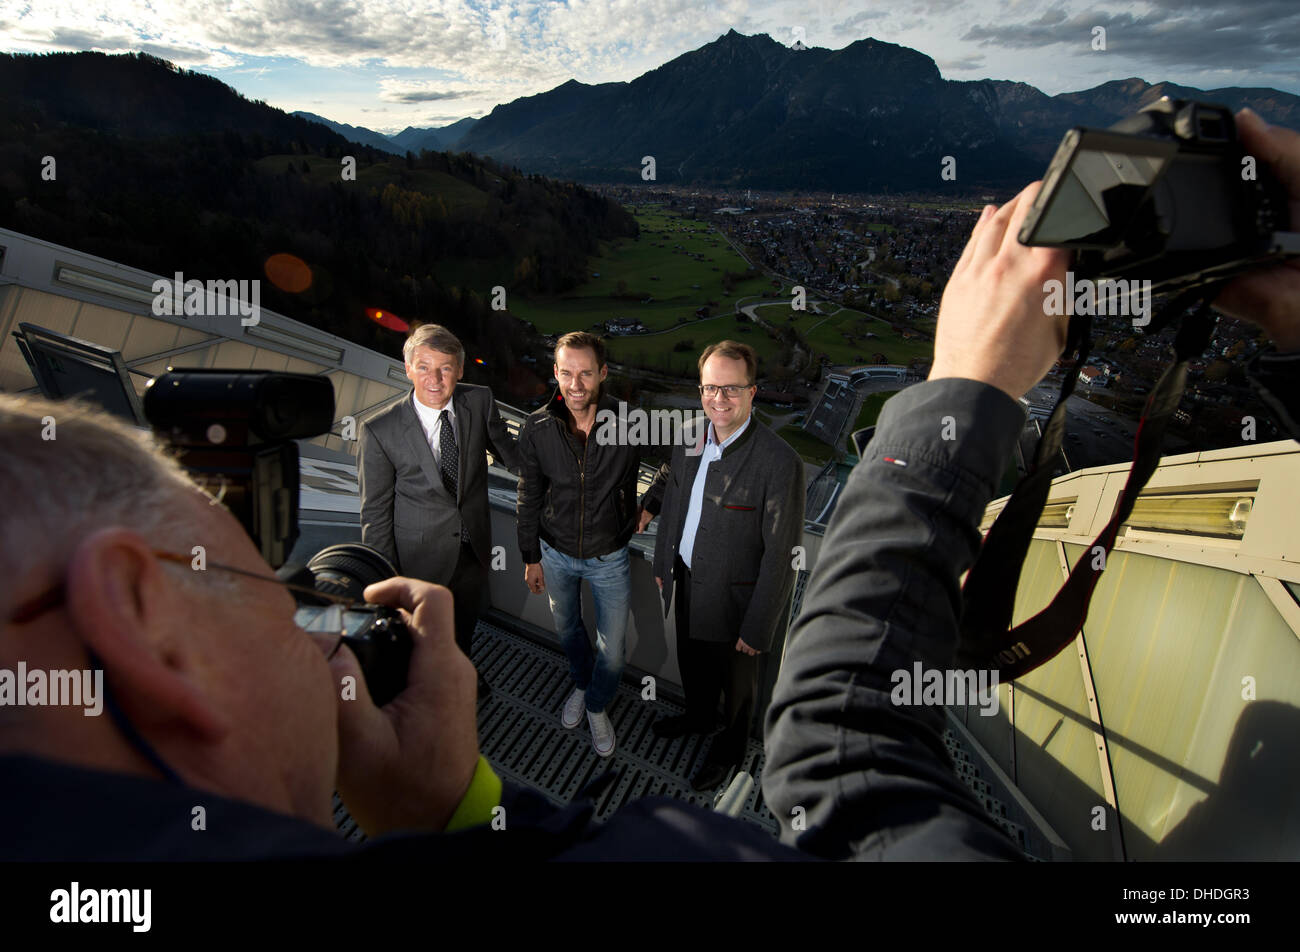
<point x="730" y="391"/>
<point x="326" y="624"/>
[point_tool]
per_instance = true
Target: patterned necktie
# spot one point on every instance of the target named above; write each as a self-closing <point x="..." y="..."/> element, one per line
<point x="450" y="455"/>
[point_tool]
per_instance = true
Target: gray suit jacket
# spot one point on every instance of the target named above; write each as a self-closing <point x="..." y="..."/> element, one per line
<point x="406" y="512"/>
<point x="742" y="565"/>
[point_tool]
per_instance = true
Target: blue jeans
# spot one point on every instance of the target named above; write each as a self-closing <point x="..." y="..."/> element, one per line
<point x="610" y="578"/>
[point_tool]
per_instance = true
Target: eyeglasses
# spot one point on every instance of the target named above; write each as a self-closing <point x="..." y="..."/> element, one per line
<point x="731" y="391"/>
<point x="324" y="623"/>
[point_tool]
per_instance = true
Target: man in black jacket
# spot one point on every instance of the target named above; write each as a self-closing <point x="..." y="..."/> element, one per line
<point x="577" y="510"/>
<point x="850" y="774"/>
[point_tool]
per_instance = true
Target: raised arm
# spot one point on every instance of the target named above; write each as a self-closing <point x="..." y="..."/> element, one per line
<point x="1270" y="297"/>
<point x="850" y="774"/>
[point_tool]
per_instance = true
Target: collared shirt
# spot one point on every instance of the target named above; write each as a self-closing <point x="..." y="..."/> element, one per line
<point x="712" y="451"/>
<point x="431" y="423"/>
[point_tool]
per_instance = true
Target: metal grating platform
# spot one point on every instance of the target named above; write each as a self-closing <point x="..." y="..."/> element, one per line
<point x="521" y="736"/>
<point x="968" y="770"/>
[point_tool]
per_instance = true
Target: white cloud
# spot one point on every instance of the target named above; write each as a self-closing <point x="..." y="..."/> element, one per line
<point x="397" y="90"/>
<point x="484" y="52"/>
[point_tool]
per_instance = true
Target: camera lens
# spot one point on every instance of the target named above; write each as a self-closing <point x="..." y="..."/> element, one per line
<point x="347" y="568"/>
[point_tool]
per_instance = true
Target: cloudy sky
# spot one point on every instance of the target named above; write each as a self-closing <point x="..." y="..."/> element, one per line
<point x="387" y="64"/>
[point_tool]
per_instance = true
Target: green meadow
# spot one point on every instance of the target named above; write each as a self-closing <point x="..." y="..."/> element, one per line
<point x="806" y="445"/>
<point x="843" y="338"/>
<point x="872" y="404"/>
<point x="840" y="333"/>
<point x="677" y="262"/>
<point x="655" y="351"/>
<point x="867" y="416"/>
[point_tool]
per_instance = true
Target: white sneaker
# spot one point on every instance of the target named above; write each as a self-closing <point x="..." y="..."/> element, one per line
<point x="573" y="708"/>
<point x="602" y="733"/>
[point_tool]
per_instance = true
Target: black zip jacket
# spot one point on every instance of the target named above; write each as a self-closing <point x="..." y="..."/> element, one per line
<point x="580" y="499"/>
<point x="851" y="774"/>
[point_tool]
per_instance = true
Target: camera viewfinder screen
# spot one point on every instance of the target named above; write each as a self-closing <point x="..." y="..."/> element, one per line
<point x="331" y="619"/>
<point x="1096" y="196"/>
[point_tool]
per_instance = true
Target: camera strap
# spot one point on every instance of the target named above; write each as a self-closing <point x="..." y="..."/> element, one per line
<point x="989" y="594"/>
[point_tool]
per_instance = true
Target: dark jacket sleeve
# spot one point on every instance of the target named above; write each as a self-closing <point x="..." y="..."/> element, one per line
<point x="504" y="447"/>
<point x="532" y="490"/>
<point x="849" y="774"/>
<point x="693" y="437"/>
<point x="782" y="530"/>
<point x="653" y="500"/>
<point x="377" y="477"/>
<point x="665" y="544"/>
<point x="1276" y="378"/>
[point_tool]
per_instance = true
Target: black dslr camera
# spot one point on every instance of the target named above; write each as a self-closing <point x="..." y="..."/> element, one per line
<point x="234" y="432"/>
<point x="1168" y="196"/>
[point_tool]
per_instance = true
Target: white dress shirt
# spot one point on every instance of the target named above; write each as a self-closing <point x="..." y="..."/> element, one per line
<point x="712" y="451"/>
<point x="431" y="422"/>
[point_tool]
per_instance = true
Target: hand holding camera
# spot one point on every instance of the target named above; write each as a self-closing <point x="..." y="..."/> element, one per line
<point x="404" y="765"/>
<point x="407" y="765"/>
<point x="1270" y="297"/>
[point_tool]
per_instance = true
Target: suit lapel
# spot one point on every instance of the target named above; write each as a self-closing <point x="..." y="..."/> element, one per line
<point x="419" y="446"/>
<point x="464" y="428"/>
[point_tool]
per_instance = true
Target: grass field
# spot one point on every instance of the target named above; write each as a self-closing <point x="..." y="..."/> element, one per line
<point x="655" y="351"/>
<point x="779" y="313"/>
<point x="806" y="445"/>
<point x="868" y="415"/>
<point x="843" y="339"/>
<point x="676" y="261"/>
<point x="871" y="408"/>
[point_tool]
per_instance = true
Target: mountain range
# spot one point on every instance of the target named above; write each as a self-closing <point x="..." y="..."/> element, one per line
<point x="410" y="139"/>
<point x="164" y="169"/>
<point x="742" y="111"/>
<point x="748" y="111"/>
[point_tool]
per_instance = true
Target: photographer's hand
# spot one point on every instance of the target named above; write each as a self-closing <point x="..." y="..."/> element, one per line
<point x="407" y="766"/>
<point x="1270" y="297"/>
<point x="993" y="326"/>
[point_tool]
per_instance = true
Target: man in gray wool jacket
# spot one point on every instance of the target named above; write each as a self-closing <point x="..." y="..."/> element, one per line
<point x="733" y="512"/>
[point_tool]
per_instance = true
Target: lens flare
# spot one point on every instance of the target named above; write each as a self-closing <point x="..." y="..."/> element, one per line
<point x="387" y="319"/>
<point x="288" y="272"/>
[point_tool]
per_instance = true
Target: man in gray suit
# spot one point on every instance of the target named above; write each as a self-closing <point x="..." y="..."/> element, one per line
<point x="423" y="474"/>
<point x="732" y="512"/>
